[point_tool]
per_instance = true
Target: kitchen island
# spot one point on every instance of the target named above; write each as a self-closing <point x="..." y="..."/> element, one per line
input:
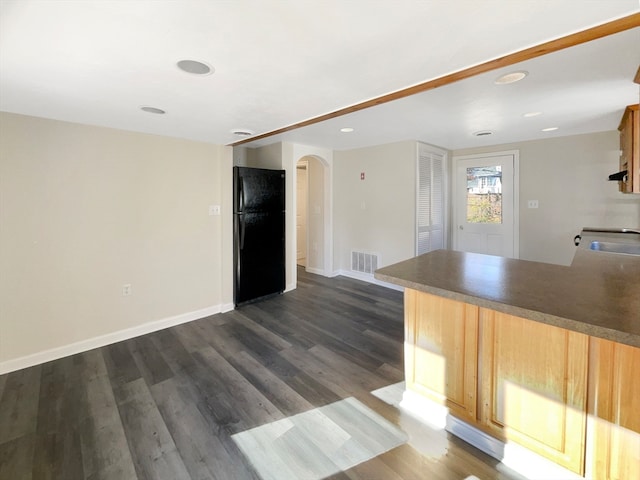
<point x="527" y="354"/>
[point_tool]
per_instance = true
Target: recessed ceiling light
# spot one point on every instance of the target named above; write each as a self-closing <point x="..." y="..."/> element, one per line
<point x="346" y="130"/>
<point x="194" y="67"/>
<point x="549" y="129"/>
<point x="531" y="114"/>
<point x="510" y="77"/>
<point x="482" y="133"/>
<point x="158" y="111"/>
<point x="242" y="132"/>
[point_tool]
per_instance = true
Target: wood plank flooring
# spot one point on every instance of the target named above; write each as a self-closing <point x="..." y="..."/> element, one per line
<point x="166" y="405"/>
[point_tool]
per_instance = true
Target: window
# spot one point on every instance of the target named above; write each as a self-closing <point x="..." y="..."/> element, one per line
<point x="484" y="194"/>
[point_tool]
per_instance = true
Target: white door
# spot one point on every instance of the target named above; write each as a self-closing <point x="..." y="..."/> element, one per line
<point x="431" y="194"/>
<point x="301" y="214"/>
<point x="485" y="204"/>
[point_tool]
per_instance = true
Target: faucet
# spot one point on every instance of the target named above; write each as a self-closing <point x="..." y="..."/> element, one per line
<point x="611" y="230"/>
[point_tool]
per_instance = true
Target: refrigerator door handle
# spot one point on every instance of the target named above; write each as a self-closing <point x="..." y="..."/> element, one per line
<point x="241" y="193"/>
<point x="242" y="229"/>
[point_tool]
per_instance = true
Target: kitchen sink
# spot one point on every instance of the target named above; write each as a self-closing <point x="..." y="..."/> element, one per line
<point x="613" y="247"/>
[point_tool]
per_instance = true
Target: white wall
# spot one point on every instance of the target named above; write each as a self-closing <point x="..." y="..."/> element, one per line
<point x="85" y="210"/>
<point x="315" y="214"/>
<point x="568" y="176"/>
<point x="377" y="214"/>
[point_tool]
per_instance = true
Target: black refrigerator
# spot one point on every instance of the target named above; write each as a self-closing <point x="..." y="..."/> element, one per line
<point x="259" y="236"/>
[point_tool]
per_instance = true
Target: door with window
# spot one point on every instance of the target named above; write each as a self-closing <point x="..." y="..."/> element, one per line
<point x="485" y="204"/>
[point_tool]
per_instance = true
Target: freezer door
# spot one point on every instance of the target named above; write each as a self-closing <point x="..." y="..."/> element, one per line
<point x="258" y="190"/>
<point x="259" y="255"/>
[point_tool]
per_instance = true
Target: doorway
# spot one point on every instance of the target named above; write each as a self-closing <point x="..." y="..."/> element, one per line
<point x="485" y="204"/>
<point x="302" y="202"/>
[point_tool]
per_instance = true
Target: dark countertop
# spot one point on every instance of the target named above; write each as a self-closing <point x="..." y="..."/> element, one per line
<point x="598" y="295"/>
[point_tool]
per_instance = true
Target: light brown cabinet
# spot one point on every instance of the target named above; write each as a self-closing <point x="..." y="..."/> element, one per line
<point x="614" y="411"/>
<point x="569" y="397"/>
<point x="534" y="386"/>
<point x="444" y="337"/>
<point x="630" y="149"/>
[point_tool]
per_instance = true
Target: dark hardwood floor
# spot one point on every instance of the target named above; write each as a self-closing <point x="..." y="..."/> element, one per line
<point x="166" y="405"/>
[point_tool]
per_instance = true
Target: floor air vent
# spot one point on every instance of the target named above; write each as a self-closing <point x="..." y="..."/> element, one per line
<point x="364" y="262"/>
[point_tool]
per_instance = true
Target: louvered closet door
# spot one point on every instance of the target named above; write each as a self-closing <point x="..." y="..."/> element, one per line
<point x="430" y="201"/>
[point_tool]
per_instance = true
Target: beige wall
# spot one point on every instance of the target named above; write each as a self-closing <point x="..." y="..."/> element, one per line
<point x="568" y="176"/>
<point x="84" y="210"/>
<point x="375" y="215"/>
<point x="269" y="156"/>
<point x="240" y="155"/>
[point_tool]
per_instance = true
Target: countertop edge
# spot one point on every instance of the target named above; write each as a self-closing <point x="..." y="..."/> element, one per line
<point x="534" y="315"/>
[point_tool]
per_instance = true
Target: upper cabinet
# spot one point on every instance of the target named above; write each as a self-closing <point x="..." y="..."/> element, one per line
<point x="630" y="149"/>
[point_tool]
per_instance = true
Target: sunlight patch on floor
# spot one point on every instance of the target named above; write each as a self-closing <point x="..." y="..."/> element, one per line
<point x="426" y="438"/>
<point x="319" y="443"/>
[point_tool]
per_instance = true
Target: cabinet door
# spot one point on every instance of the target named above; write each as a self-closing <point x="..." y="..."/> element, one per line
<point x="614" y="411"/>
<point x="534" y="386"/>
<point x="630" y="149"/>
<point x="441" y="351"/>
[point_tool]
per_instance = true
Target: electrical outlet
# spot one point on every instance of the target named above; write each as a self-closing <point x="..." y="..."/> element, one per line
<point x="214" y="209"/>
<point x="532" y="204"/>
<point x="126" y="289"/>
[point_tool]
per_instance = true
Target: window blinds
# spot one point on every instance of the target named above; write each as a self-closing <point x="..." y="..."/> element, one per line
<point x="430" y="201"/>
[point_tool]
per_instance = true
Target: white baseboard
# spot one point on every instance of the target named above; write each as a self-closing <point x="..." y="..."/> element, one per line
<point x="227" y="307"/>
<point x="369" y="278"/>
<point x="477" y="438"/>
<point x="315" y="271"/>
<point x="109" y="338"/>
<point x="512" y="455"/>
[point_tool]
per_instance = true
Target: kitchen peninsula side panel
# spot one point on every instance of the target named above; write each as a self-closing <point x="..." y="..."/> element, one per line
<point x="441" y="351"/>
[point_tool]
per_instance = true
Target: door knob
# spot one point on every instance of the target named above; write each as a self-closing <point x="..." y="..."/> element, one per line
<point x="460" y="227"/>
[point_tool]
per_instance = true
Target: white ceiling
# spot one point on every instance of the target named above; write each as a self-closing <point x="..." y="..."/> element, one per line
<point x="583" y="89"/>
<point x="278" y="62"/>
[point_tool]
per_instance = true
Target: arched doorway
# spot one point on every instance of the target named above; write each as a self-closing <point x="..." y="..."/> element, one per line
<point x="312" y="214"/>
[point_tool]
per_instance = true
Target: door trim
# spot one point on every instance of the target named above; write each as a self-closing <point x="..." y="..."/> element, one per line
<point x="516" y="194"/>
<point x="303" y="164"/>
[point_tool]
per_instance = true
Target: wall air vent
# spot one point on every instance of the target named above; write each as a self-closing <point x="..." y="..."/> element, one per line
<point x="364" y="262"/>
